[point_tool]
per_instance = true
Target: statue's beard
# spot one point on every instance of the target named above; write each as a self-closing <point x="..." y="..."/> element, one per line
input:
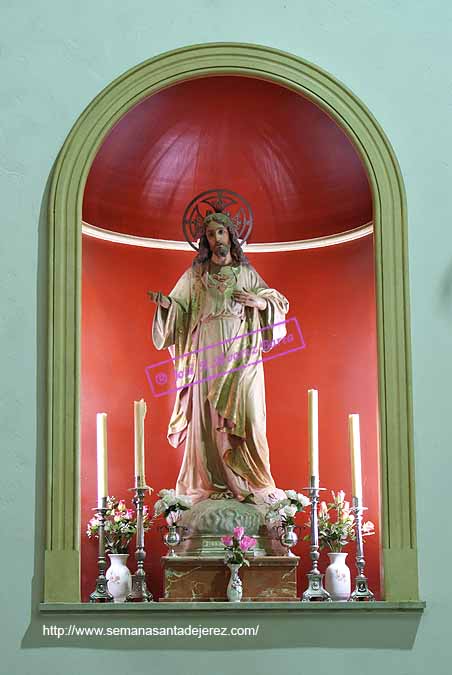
<point x="221" y="250"/>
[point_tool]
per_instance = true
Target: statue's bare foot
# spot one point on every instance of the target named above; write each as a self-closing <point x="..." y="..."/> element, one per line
<point x="248" y="499"/>
<point x="225" y="494"/>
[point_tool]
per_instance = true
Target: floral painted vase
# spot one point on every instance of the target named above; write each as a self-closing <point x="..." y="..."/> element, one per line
<point x="337" y="578"/>
<point x="119" y="579"/>
<point x="234" y="590"/>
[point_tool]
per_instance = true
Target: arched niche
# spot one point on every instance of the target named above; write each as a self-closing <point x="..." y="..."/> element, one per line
<point x="62" y="560"/>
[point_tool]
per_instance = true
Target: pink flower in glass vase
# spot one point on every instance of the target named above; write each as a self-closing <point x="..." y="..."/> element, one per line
<point x="173" y="517"/>
<point x="239" y="532"/>
<point x="247" y="542"/>
<point x="227" y="541"/>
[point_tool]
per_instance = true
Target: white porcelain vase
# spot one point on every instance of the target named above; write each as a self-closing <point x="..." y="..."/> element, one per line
<point x="234" y="590"/>
<point x="119" y="579"/>
<point x="337" y="577"/>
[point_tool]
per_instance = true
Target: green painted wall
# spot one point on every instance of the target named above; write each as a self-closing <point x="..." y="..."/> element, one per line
<point x="56" y="56"/>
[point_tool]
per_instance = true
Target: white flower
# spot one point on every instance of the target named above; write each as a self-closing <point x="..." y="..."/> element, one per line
<point x="164" y="494"/>
<point x="159" y="507"/>
<point x="169" y="497"/>
<point x="289" y="511"/>
<point x="304" y="501"/>
<point x="185" y="500"/>
<point x="291" y="494"/>
<point x="340" y="497"/>
<point x="368" y="527"/>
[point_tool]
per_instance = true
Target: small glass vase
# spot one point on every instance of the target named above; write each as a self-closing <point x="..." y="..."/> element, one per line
<point x="172" y="538"/>
<point x="288" y="538"/>
<point x="234" y="589"/>
<point x="338" y="578"/>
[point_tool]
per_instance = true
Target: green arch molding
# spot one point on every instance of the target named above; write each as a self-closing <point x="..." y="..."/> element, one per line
<point x="62" y="560"/>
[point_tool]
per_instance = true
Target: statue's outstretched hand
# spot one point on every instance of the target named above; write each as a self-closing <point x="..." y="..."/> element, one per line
<point x="249" y="299"/>
<point x="159" y="299"/>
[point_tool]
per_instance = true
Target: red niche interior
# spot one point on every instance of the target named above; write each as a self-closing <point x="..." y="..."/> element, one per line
<point x="304" y="179"/>
<point x="285" y="155"/>
<point x="331" y="293"/>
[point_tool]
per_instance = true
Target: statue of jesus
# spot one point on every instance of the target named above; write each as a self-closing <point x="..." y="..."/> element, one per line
<point x="216" y="322"/>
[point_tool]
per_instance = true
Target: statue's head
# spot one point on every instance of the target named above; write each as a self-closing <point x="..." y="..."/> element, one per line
<point x="217" y="228"/>
<point x="219" y="236"/>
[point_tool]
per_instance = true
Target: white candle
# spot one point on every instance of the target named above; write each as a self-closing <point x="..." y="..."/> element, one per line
<point x="355" y="454"/>
<point x="140" y="413"/>
<point x="313" y="417"/>
<point x="102" y="486"/>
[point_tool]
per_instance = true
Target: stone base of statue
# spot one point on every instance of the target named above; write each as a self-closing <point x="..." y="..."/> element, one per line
<point x="198" y="573"/>
<point x="207" y="521"/>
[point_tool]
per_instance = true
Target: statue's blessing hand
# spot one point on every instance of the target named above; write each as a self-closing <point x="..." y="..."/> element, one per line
<point x="249" y="299"/>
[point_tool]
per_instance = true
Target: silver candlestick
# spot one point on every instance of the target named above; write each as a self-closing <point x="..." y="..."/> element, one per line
<point x="361" y="591"/>
<point x="139" y="592"/>
<point x="101" y="594"/>
<point x="315" y="590"/>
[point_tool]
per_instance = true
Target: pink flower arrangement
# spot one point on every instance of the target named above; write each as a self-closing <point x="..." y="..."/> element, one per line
<point x="120" y="525"/>
<point x="237" y="545"/>
<point x="336" y="523"/>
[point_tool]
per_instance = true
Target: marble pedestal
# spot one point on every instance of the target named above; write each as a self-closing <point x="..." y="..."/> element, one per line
<point x="196" y="578"/>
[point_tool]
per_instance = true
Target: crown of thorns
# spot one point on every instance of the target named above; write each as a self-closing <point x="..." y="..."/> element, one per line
<point x="218" y="201"/>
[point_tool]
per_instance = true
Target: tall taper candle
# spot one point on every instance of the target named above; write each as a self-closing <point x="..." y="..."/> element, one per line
<point x="355" y="454"/>
<point x="140" y="413"/>
<point x="313" y="416"/>
<point x="102" y="483"/>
